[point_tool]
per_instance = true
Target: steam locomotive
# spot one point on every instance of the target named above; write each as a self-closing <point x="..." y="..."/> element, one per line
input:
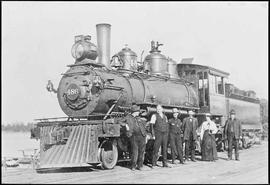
<point x="98" y="89"/>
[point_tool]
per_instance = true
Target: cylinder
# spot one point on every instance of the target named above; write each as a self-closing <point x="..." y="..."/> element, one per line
<point x="104" y="44"/>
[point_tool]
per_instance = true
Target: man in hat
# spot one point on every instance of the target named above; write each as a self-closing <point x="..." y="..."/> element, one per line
<point x="233" y="132"/>
<point x="136" y="131"/>
<point x="175" y="130"/>
<point x="190" y="125"/>
<point x="161" y="132"/>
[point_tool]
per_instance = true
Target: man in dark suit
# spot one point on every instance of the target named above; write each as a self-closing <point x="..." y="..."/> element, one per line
<point x="175" y="130"/>
<point x="190" y="125"/>
<point x="136" y="131"/>
<point x="233" y="132"/>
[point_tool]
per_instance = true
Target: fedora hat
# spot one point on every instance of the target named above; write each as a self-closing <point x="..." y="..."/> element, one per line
<point x="232" y="111"/>
<point x="135" y="108"/>
<point x="175" y="110"/>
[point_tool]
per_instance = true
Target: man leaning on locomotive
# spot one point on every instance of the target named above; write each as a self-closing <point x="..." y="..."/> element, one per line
<point x="136" y="132"/>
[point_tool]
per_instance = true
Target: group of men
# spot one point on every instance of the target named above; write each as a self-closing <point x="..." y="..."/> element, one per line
<point x="175" y="130"/>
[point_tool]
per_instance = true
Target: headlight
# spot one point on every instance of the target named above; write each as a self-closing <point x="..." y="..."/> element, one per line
<point x="77" y="50"/>
<point x="83" y="48"/>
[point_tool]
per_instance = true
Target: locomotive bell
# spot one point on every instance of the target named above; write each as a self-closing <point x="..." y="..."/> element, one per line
<point x="128" y="58"/>
<point x="83" y="48"/>
<point x="155" y="62"/>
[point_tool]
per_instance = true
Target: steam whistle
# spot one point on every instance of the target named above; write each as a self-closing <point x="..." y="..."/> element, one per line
<point x="154" y="46"/>
<point x="50" y="87"/>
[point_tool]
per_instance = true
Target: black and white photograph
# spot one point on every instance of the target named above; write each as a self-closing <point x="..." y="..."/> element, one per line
<point x="130" y="92"/>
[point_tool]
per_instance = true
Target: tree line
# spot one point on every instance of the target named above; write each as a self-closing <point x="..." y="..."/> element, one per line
<point x="17" y="127"/>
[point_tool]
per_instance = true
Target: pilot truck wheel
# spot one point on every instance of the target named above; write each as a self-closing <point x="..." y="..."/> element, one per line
<point x="108" y="154"/>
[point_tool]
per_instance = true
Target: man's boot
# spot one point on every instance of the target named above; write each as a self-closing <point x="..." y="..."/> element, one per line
<point x="154" y="166"/>
<point x="229" y="158"/>
<point x="132" y="168"/>
<point x="237" y="157"/>
<point x="166" y="165"/>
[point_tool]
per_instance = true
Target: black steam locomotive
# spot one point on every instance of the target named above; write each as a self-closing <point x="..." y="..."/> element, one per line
<point x="98" y="89"/>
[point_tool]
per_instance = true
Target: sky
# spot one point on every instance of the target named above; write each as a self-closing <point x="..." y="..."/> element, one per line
<point x="37" y="38"/>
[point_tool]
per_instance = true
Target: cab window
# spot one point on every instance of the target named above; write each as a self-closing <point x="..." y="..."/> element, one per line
<point x="216" y="84"/>
<point x="220" y="85"/>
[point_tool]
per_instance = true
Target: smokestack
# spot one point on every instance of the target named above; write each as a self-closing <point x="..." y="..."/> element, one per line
<point x="104" y="44"/>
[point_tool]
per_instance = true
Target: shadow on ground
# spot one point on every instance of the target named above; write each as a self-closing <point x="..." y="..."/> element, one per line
<point x="67" y="170"/>
<point x="89" y="168"/>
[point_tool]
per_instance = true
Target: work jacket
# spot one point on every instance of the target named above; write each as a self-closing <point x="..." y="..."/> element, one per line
<point x="135" y="125"/>
<point x="175" y="126"/>
<point x="233" y="128"/>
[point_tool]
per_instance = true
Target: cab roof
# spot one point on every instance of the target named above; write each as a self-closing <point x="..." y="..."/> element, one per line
<point x="211" y="70"/>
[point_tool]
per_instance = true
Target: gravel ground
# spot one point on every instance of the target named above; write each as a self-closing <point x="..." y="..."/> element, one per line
<point x="251" y="169"/>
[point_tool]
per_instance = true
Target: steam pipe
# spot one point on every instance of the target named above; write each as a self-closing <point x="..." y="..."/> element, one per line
<point x="104" y="44"/>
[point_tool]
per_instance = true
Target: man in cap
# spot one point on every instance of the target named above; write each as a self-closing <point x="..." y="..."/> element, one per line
<point x="136" y="131"/>
<point x="190" y="125"/>
<point x="175" y="129"/>
<point x="233" y="132"/>
<point x="161" y="132"/>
